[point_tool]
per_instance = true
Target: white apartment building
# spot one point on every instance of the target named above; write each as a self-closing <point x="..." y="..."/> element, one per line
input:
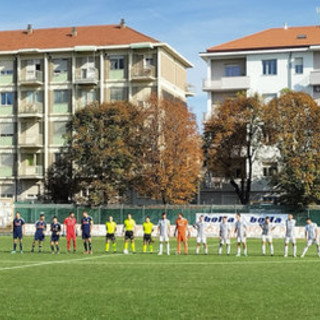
<point x="48" y="74"/>
<point x="263" y="63"/>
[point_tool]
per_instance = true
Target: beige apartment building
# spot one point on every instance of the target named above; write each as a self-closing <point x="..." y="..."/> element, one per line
<point x="46" y="75"/>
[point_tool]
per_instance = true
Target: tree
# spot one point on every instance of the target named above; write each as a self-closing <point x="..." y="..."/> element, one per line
<point x="106" y="142"/>
<point x="231" y="138"/>
<point x="293" y="121"/>
<point x="173" y="158"/>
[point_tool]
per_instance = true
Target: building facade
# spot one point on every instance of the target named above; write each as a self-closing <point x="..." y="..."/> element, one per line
<point x="265" y="63"/>
<point x="46" y="75"/>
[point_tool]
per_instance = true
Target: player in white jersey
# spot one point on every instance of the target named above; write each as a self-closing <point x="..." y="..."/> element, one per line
<point x="225" y="232"/>
<point x="241" y="233"/>
<point x="312" y="236"/>
<point x="201" y="236"/>
<point x="290" y="236"/>
<point x="164" y="233"/>
<point x="266" y="236"/>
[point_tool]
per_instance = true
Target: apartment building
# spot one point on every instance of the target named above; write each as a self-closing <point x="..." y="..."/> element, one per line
<point x="48" y="74"/>
<point x="263" y="63"/>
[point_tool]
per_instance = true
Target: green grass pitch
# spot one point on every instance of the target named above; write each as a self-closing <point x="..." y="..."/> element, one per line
<point x="144" y="286"/>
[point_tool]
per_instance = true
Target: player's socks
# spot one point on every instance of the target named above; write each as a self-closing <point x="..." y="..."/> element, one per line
<point x="126" y="246"/>
<point x="263" y="249"/>
<point x="57" y="248"/>
<point x="133" y="247"/>
<point x="40" y="248"/>
<point x="286" y="251"/>
<point x="107" y="247"/>
<point x="114" y="246"/>
<point x="20" y="246"/>
<point x="85" y="246"/>
<point x="144" y="248"/>
<point x="90" y="246"/>
<point x="271" y="249"/>
<point x="294" y="250"/>
<point x="220" y="249"/>
<point x="228" y="249"/>
<point x="168" y="248"/>
<point x="32" y="249"/>
<point x="245" y="252"/>
<point x="160" y="248"/>
<point x="206" y="250"/>
<point x="52" y="248"/>
<point x="14" y="247"/>
<point x="238" y="252"/>
<point x="151" y="248"/>
<point x="198" y="249"/>
<point x="318" y="249"/>
<point x="305" y="251"/>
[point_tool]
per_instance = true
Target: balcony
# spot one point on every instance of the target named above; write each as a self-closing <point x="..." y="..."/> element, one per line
<point x="140" y="73"/>
<point x="31" y="110"/>
<point x="31" y="78"/>
<point x="87" y="76"/>
<point x="31" y="172"/>
<point x="31" y="141"/>
<point x="190" y="90"/>
<point x="227" y="84"/>
<point x="315" y="78"/>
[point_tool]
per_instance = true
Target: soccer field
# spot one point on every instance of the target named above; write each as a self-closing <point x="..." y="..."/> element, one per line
<point x="144" y="286"/>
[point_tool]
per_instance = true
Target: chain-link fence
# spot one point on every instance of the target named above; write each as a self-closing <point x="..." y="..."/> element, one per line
<point x="31" y="212"/>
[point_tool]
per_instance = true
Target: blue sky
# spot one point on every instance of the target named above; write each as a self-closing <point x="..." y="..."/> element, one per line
<point x="189" y="26"/>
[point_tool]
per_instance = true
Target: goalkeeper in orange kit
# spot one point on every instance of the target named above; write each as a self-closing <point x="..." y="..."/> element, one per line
<point x="181" y="231"/>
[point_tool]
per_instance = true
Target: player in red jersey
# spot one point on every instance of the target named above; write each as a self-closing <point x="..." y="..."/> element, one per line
<point x="70" y="224"/>
<point x="181" y="230"/>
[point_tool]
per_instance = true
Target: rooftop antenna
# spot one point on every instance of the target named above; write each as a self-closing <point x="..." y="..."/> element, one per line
<point x="318" y="10"/>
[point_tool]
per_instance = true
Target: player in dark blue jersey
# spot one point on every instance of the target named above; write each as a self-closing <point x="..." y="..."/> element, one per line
<point x="55" y="229"/>
<point x="41" y="227"/>
<point x="86" y="228"/>
<point x="18" y="232"/>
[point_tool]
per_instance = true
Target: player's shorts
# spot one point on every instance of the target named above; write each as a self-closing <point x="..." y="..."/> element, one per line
<point x="129" y="235"/>
<point x="182" y="237"/>
<point x="225" y="241"/>
<point x="290" y="239"/>
<point x="147" y="238"/>
<point x="111" y="237"/>
<point x="266" y="238"/>
<point x="202" y="239"/>
<point x="17" y="235"/>
<point x="86" y="235"/>
<point x="312" y="241"/>
<point x="242" y="239"/>
<point x="39" y="236"/>
<point x="71" y="235"/>
<point x="164" y="238"/>
<point x="55" y="238"/>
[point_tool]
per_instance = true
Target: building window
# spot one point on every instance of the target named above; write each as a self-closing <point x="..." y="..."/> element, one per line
<point x="6" y="98"/>
<point x="34" y="97"/>
<point x="148" y="61"/>
<point x="6" y="129"/>
<point x="60" y="66"/>
<point x="60" y="96"/>
<point x="6" y="68"/>
<point x="116" y="62"/>
<point x="232" y="71"/>
<point x="6" y="160"/>
<point x="117" y="94"/>
<point x="269" y="67"/>
<point x="270" y="169"/>
<point x="298" y="65"/>
<point x="88" y="97"/>
<point x="267" y="97"/>
<point x="7" y="191"/>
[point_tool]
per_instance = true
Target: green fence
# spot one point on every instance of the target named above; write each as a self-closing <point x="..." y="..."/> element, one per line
<point x="31" y="212"/>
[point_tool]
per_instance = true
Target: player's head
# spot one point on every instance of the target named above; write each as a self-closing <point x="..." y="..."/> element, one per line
<point x="42" y="216"/>
<point x="290" y="216"/>
<point x="71" y="214"/>
<point x="201" y="218"/>
<point x="147" y="219"/>
<point x="54" y="219"/>
<point x="224" y="219"/>
<point x="18" y="215"/>
<point x="164" y="215"/>
<point x="110" y="218"/>
<point x="308" y="220"/>
<point x="238" y="216"/>
<point x="180" y="215"/>
<point x="129" y="216"/>
<point x="267" y="220"/>
<point x="85" y="214"/>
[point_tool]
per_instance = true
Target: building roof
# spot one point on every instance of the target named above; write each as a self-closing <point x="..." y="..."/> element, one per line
<point x="54" y="38"/>
<point x="276" y="38"/>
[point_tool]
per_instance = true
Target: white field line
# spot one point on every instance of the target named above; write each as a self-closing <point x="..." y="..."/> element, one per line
<point x="46" y="263"/>
<point x="243" y="263"/>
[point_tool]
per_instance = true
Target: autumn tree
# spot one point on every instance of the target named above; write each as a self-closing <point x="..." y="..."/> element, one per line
<point x="232" y="137"/>
<point x="173" y="157"/>
<point x="106" y="142"/>
<point x="294" y="122"/>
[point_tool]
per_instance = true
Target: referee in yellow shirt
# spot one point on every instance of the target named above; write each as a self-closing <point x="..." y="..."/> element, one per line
<point x="147" y="238"/>
<point x="129" y="229"/>
<point x="111" y="228"/>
